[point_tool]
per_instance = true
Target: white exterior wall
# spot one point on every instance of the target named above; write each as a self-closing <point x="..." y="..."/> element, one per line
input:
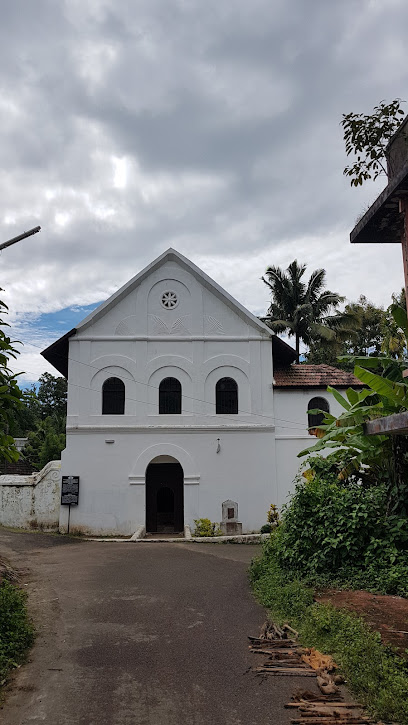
<point x="112" y="476"/>
<point x="291" y="434"/>
<point x="32" y="501"/>
<point x="202" y="340"/>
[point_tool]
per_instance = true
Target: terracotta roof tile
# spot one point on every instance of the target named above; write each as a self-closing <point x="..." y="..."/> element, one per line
<point x="314" y="376"/>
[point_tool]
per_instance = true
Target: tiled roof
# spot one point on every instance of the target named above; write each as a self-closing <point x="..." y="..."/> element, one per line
<point x="16" y="468"/>
<point x="314" y="376"/>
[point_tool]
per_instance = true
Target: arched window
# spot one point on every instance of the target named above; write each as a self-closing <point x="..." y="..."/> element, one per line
<point x="226" y="396"/>
<point x="316" y="419"/>
<point x="170" y="396"/>
<point x="113" y="397"/>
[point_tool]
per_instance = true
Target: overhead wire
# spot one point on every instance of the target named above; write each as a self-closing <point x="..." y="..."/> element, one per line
<point x="217" y="416"/>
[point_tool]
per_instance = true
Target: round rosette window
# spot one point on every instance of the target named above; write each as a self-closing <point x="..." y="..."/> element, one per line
<point x="169" y="300"/>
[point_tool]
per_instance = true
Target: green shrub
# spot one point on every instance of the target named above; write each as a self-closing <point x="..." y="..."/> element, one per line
<point x="266" y="529"/>
<point x="273" y="515"/>
<point x="204" y="527"/>
<point x="16" y="629"/>
<point x="333" y="532"/>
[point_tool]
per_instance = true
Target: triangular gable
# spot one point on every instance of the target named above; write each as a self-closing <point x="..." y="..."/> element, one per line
<point x="204" y="279"/>
<point x="57" y="353"/>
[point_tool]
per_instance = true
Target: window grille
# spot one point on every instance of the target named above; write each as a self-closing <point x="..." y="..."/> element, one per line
<point x="316" y="419"/>
<point x="170" y="396"/>
<point x="169" y="300"/>
<point x="113" y="397"/>
<point x="226" y="396"/>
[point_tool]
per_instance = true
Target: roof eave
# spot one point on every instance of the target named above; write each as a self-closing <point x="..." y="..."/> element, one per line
<point x="383" y="223"/>
<point x="321" y="386"/>
<point x="282" y="353"/>
<point x="57" y="353"/>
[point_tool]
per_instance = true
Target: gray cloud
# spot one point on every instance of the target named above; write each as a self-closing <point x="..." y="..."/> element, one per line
<point x="214" y="128"/>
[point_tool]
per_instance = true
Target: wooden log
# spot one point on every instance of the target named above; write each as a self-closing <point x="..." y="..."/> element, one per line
<point x="287" y="672"/>
<point x="287" y="661"/>
<point x="289" y="664"/>
<point x="281" y="673"/>
<point x="308" y="695"/>
<point x="286" y="626"/>
<point x="286" y="653"/>
<point x="279" y="631"/>
<point x="264" y="630"/>
<point x="274" y="643"/>
<point x="321" y="702"/>
<point x="331" y="721"/>
<point x="264" y="640"/>
<point x="326" y="711"/>
<point x="271" y="652"/>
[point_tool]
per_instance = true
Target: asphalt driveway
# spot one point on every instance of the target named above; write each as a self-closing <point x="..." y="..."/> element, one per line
<point x="139" y="634"/>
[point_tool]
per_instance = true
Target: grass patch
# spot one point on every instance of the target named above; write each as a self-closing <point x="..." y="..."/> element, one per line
<point x="16" y="628"/>
<point x="377" y="676"/>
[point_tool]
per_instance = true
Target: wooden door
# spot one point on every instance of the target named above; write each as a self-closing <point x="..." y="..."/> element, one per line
<point x="164" y="498"/>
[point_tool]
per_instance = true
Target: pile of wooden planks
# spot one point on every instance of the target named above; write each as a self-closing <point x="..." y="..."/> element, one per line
<point x="315" y="709"/>
<point x="286" y="658"/>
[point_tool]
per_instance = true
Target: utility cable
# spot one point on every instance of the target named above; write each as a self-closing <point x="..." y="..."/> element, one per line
<point x="188" y="397"/>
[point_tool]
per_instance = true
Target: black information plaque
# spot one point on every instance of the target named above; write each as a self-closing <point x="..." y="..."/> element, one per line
<point x="70" y="490"/>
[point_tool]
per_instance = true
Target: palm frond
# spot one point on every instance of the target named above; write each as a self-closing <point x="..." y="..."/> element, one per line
<point x="316" y="283"/>
<point x="322" y="331"/>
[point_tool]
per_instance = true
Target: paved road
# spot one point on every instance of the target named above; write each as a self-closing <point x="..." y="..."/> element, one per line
<point x="139" y="634"/>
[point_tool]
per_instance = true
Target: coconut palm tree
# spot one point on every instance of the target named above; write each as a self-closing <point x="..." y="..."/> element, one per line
<point x="305" y="310"/>
<point x="395" y="328"/>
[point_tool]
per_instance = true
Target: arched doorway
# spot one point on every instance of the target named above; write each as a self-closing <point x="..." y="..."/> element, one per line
<point x="164" y="496"/>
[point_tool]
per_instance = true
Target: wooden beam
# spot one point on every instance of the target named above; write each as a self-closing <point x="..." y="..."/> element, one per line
<point x="389" y="425"/>
<point x="403" y="208"/>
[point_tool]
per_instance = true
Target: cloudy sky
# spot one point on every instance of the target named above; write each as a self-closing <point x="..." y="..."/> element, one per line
<point x="129" y="126"/>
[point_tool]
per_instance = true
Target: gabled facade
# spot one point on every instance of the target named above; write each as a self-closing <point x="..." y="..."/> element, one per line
<point x="171" y="406"/>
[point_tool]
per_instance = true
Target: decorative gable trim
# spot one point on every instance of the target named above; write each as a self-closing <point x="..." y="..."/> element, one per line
<point x="171" y="255"/>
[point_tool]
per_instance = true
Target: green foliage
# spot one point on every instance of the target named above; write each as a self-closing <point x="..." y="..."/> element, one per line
<point x="47" y="399"/>
<point x="266" y="528"/>
<point x="10" y="393"/>
<point x="273" y="515"/>
<point x="304" y="310"/>
<point x="369" y="458"/>
<point x="46" y="442"/>
<point x="26" y="417"/>
<point x="204" y="527"/>
<point x="367" y="136"/>
<point x="370" y="331"/>
<point x="284" y="597"/>
<point x="16" y="630"/>
<point x="336" y="531"/>
<point x="395" y="333"/>
<point x="41" y="417"/>
<point x="52" y="396"/>
<point x="377" y="676"/>
<point x="368" y="334"/>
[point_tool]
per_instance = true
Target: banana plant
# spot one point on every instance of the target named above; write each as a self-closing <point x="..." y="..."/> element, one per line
<point x="355" y="452"/>
<point x="345" y="432"/>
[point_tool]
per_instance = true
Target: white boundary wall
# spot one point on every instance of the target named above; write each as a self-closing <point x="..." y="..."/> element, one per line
<point x="32" y="501"/>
